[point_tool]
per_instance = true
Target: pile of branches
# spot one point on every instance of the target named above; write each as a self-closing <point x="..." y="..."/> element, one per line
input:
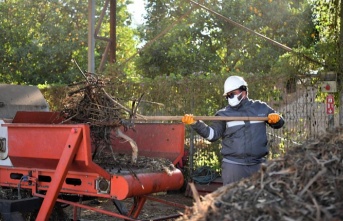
<point x="305" y="184"/>
<point x="88" y="102"/>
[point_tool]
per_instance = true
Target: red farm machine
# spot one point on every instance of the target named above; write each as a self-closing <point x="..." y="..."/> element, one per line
<point x="52" y="162"/>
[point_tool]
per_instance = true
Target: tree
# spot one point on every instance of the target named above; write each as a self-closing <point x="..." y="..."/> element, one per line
<point x="205" y="42"/>
<point x="186" y="49"/>
<point x="39" y="39"/>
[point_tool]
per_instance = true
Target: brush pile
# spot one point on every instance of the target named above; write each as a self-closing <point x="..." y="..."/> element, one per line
<point x="88" y="102"/>
<point x="306" y="184"/>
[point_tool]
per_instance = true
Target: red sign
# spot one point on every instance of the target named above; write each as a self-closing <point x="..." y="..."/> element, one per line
<point x="330" y="104"/>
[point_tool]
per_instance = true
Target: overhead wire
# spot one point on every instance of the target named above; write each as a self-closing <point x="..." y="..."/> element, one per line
<point x="236" y="24"/>
<point x="255" y="33"/>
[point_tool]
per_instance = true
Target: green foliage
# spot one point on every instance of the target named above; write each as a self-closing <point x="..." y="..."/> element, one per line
<point x="54" y="95"/>
<point x="208" y="155"/>
<point x="39" y="39"/>
<point x="38" y="47"/>
<point x="206" y="43"/>
<point x="326" y="16"/>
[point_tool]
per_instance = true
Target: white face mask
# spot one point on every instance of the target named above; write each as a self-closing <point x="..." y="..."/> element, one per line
<point x="235" y="101"/>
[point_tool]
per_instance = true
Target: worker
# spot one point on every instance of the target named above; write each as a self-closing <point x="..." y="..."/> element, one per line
<point x="244" y="143"/>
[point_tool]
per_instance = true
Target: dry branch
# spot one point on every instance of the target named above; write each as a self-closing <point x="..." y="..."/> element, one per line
<point x="91" y="104"/>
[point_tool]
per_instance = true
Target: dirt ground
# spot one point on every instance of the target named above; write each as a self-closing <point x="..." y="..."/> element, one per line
<point x="151" y="209"/>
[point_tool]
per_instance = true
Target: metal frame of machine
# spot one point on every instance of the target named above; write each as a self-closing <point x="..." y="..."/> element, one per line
<point x="51" y="160"/>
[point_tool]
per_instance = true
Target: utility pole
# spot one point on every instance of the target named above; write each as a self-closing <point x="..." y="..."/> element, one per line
<point x="91" y="39"/>
<point x="113" y="31"/>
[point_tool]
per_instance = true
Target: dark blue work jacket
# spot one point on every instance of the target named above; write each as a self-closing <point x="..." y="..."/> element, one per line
<point x="243" y="142"/>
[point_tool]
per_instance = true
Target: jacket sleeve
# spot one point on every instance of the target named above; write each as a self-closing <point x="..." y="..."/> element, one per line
<point x="211" y="133"/>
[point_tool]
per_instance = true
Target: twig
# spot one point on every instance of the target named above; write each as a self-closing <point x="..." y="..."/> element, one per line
<point x="321" y="172"/>
<point x="283" y="172"/>
<point x="263" y="170"/>
<point x="80" y="69"/>
<point x="315" y="204"/>
<point x="323" y="163"/>
<point x="196" y="196"/>
<point x="120" y="105"/>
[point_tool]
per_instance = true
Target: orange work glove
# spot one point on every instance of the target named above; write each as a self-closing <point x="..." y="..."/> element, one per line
<point x="273" y="118"/>
<point x="188" y="119"/>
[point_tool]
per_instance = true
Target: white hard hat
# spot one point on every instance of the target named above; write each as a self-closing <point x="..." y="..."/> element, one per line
<point x="232" y="83"/>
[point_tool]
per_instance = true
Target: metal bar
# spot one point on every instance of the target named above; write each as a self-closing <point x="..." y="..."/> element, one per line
<point x="173" y="216"/>
<point x="75" y="212"/>
<point x="104" y="57"/>
<point x="139" y="206"/>
<point x="206" y="118"/>
<point x="83" y="206"/>
<point x="178" y="205"/>
<point x="101" y="18"/>
<point x="63" y="165"/>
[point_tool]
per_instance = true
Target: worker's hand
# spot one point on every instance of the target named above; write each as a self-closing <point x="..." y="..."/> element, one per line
<point x="188" y="119"/>
<point x="273" y="118"/>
